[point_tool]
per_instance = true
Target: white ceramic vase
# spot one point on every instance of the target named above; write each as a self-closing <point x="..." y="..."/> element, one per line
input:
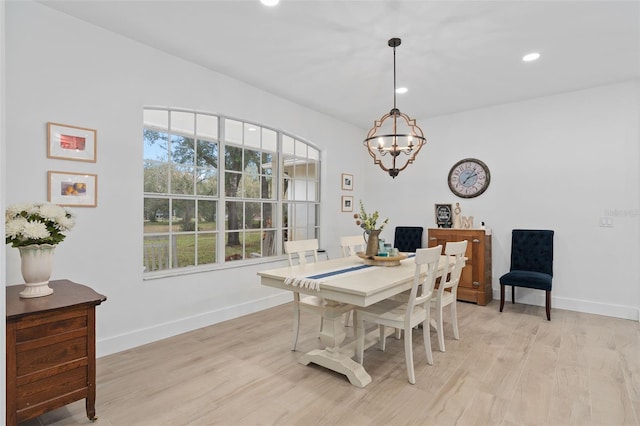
<point x="37" y="263"/>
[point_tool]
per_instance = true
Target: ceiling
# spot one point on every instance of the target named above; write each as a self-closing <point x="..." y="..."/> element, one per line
<point x="333" y="57"/>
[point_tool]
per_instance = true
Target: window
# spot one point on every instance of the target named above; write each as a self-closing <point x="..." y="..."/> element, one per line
<point x="213" y="182"/>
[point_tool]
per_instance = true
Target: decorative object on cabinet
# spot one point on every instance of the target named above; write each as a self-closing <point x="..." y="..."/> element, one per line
<point x="531" y="264"/>
<point x="35" y="229"/>
<point x="475" y="282"/>
<point x="467" y="222"/>
<point x="347" y="203"/>
<point x="73" y="189"/>
<point x="444" y="215"/>
<point x="394" y="134"/>
<point x="457" y="223"/>
<point x="51" y="354"/>
<point x="347" y="182"/>
<point x="469" y="178"/>
<point x="71" y="142"/>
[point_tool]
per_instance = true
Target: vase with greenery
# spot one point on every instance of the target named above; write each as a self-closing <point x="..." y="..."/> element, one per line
<point x="371" y="234"/>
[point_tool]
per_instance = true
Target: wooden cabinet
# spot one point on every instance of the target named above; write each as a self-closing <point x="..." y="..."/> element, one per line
<point x="475" y="283"/>
<point x="51" y="357"/>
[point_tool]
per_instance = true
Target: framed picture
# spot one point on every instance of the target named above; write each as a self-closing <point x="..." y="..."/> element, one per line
<point x="71" y="142"/>
<point x="347" y="182"/>
<point x="73" y="189"/>
<point x="347" y="203"/>
<point x="444" y="215"/>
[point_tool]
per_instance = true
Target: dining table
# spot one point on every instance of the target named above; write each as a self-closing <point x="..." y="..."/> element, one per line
<point x="345" y="283"/>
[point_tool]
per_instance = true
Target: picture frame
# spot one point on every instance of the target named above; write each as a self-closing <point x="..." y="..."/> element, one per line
<point x="72" y="189"/>
<point x="347" y="182"/>
<point x="347" y="203"/>
<point x="74" y="143"/>
<point x="444" y="215"/>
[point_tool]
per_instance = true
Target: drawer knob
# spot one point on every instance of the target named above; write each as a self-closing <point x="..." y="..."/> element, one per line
<point x="432" y="238"/>
<point x="476" y="241"/>
<point x="475" y="284"/>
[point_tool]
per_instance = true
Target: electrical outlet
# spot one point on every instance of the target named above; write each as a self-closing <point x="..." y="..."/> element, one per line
<point x="606" y="222"/>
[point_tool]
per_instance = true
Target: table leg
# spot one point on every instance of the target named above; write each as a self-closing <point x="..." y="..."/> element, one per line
<point x="331" y="357"/>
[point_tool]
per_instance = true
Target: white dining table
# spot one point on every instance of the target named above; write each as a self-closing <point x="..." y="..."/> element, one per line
<point x="342" y="292"/>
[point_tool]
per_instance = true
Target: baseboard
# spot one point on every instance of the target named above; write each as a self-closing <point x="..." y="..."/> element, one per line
<point x="537" y="298"/>
<point x="111" y="345"/>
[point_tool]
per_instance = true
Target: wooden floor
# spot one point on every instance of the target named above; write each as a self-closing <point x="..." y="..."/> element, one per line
<point x="514" y="368"/>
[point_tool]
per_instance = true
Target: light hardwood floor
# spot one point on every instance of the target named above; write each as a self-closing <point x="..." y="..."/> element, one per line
<point x="514" y="368"/>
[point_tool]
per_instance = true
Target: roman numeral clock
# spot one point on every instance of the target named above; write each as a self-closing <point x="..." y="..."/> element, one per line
<point x="469" y="178"/>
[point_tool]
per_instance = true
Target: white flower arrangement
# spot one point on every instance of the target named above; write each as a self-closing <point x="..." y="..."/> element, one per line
<point x="36" y="223"/>
<point x="368" y="222"/>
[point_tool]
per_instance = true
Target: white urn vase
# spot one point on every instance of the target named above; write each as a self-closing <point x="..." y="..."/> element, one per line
<point x="37" y="263"/>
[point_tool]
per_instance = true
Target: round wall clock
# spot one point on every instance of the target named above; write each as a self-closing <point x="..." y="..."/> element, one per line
<point x="469" y="178"/>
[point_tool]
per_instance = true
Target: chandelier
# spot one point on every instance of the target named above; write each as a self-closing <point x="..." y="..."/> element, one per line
<point x="394" y="134"/>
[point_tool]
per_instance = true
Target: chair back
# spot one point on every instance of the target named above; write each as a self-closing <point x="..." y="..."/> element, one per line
<point x="408" y="238"/>
<point x="451" y="277"/>
<point x="351" y="245"/>
<point x="301" y="248"/>
<point x="424" y="279"/>
<point x="532" y="250"/>
<point x="157" y="253"/>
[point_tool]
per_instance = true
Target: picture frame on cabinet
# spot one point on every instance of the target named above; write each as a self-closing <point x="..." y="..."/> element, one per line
<point x="72" y="189"/>
<point x="444" y="215"/>
<point x="74" y="143"/>
<point x="347" y="203"/>
<point x="347" y="182"/>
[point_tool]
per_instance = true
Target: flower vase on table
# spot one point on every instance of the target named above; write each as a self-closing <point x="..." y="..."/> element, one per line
<point x="35" y="229"/>
<point x="36" y="266"/>
<point x="373" y="242"/>
<point x="372" y="231"/>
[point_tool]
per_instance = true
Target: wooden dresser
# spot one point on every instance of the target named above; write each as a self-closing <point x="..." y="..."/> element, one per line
<point x="475" y="283"/>
<point x="51" y="353"/>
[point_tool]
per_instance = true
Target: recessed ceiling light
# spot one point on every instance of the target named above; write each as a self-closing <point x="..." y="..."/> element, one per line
<point x="402" y="90"/>
<point x="529" y="57"/>
<point x="269" y="2"/>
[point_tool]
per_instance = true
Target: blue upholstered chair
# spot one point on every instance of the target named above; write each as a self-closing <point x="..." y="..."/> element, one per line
<point x="408" y="238"/>
<point x="531" y="264"/>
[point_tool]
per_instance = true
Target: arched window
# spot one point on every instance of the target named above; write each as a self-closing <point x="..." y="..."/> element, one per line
<point x="218" y="190"/>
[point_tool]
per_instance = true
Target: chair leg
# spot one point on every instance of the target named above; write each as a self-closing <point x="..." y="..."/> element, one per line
<point x="454" y="320"/>
<point x="513" y="294"/>
<point x="548" y="305"/>
<point x="383" y="338"/>
<point x="501" y="297"/>
<point x="426" y="333"/>
<point x="408" y="355"/>
<point x="296" y="320"/>
<point x="440" y="330"/>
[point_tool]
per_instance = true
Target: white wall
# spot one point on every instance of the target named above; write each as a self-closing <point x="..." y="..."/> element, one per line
<point x="64" y="70"/>
<point x="557" y="162"/>
<point x="3" y="191"/>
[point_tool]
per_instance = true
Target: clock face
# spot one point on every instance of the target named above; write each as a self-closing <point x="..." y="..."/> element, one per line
<point x="469" y="178"/>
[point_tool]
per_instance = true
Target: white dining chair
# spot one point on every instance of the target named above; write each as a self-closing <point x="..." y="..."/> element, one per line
<point x="352" y="244"/>
<point x="300" y="249"/>
<point x="443" y="298"/>
<point x="405" y="315"/>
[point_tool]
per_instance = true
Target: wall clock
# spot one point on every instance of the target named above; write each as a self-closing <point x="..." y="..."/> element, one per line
<point x="469" y="178"/>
